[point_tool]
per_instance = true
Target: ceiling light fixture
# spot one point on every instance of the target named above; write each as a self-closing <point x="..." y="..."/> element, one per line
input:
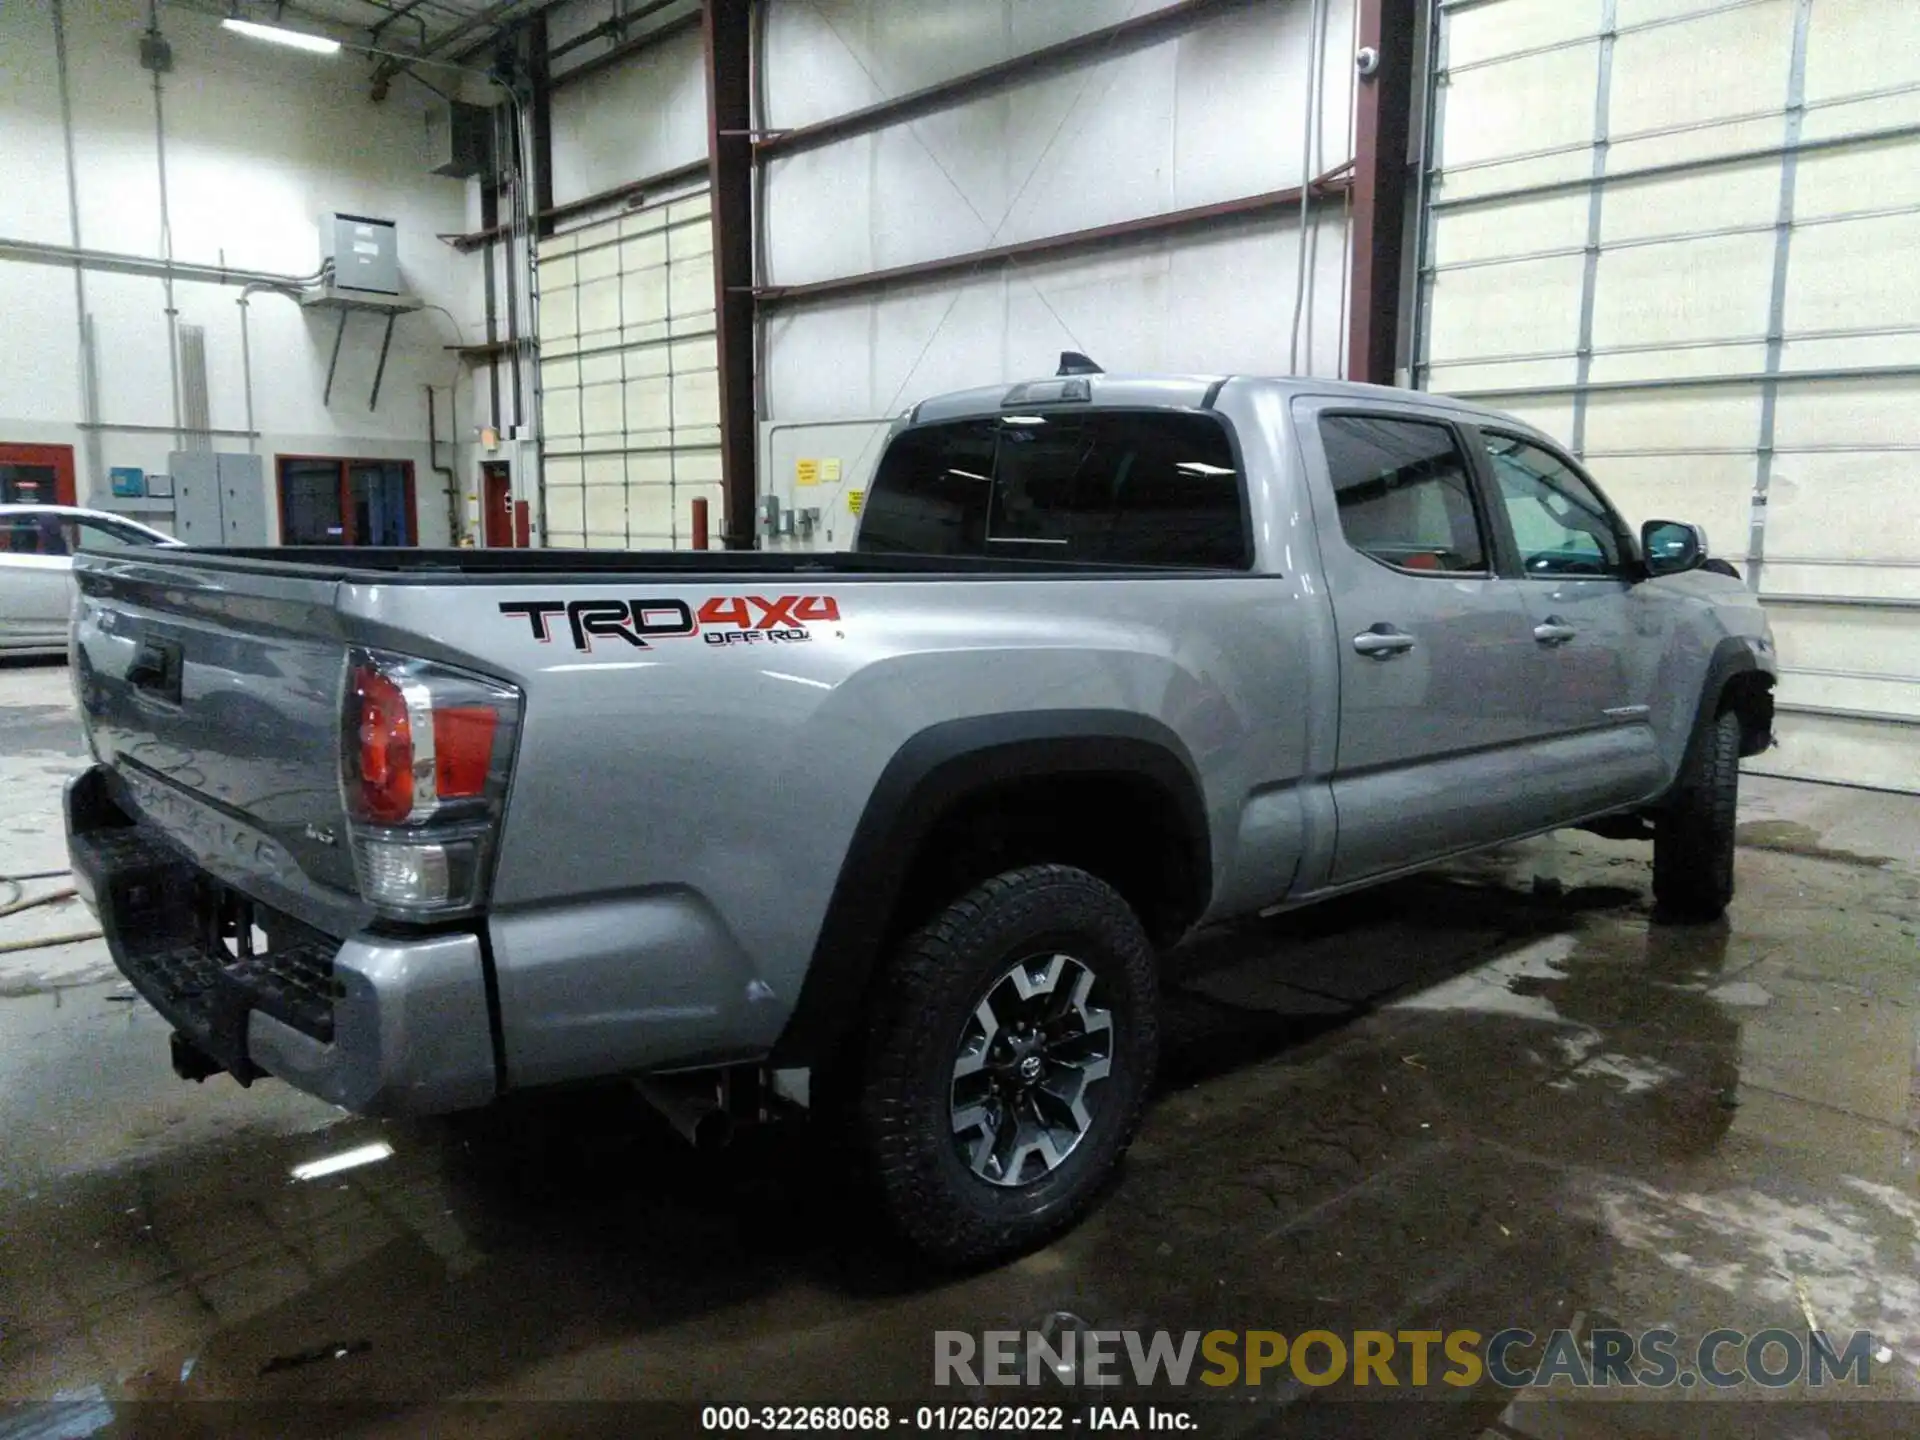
<point x="278" y="35"/>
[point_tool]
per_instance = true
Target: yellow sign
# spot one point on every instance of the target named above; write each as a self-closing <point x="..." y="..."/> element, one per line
<point x="830" y="470"/>
<point x="806" y="472"/>
<point x="854" y="499"/>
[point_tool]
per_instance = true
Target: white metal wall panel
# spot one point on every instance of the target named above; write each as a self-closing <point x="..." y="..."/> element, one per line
<point x="856" y="52"/>
<point x="629" y="378"/>
<point x="638" y="118"/>
<point x="1679" y="234"/>
<point x="1215" y="112"/>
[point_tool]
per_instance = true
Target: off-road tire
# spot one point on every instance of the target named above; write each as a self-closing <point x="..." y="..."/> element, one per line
<point x="1693" y="836"/>
<point x="921" y="1005"/>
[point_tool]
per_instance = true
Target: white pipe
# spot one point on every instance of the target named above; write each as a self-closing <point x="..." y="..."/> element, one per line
<point x="1314" y="27"/>
<point x="166" y="226"/>
<point x="89" y="386"/>
<point x="41" y="252"/>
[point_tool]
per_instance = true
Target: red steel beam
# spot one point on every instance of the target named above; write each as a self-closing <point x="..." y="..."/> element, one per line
<point x="1046" y="247"/>
<point x="727" y="28"/>
<point x="631" y="191"/>
<point x="1383" y="127"/>
<point x="659" y="35"/>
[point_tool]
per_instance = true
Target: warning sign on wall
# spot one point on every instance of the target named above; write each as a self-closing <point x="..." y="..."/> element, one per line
<point x="854" y="499"/>
<point x="806" y="472"/>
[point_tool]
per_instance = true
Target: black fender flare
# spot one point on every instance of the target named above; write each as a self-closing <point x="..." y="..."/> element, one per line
<point x="1732" y="657"/>
<point x="929" y="774"/>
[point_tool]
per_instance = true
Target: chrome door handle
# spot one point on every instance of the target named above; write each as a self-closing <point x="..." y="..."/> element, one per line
<point x="1553" y="631"/>
<point x="1382" y="644"/>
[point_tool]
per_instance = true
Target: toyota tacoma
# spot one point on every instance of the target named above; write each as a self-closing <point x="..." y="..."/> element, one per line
<point x="896" y="832"/>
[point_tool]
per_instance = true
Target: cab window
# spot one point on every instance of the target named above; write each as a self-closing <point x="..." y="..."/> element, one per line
<point x="1117" y="487"/>
<point x="1560" y="524"/>
<point x="1405" y="494"/>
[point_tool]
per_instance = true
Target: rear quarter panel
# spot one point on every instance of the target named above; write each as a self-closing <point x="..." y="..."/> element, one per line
<point x="679" y="813"/>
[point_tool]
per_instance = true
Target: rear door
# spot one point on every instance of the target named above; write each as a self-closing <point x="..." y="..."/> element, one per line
<point x="36" y="572"/>
<point x="1597" y="635"/>
<point x="1435" y="715"/>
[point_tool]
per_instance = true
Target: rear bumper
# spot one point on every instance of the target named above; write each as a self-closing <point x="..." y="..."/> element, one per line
<point x="378" y="1025"/>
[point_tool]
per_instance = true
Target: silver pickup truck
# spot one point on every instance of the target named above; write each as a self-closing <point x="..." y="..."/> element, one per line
<point x="901" y="829"/>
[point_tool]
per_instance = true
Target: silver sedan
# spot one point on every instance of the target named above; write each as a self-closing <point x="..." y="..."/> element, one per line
<point x="37" y="546"/>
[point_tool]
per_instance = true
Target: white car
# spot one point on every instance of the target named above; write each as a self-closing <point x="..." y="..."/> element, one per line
<point x="37" y="546"/>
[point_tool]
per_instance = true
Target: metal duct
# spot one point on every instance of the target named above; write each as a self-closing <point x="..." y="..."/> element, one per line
<point x="197" y="418"/>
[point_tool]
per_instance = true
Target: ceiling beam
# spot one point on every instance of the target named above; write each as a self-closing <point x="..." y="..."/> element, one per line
<point x="436" y="48"/>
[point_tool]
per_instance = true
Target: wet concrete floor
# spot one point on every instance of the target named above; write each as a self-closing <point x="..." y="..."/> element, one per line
<point x="1494" y="1096"/>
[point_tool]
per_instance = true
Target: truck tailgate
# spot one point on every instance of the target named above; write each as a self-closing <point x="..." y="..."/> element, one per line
<point x="214" y="696"/>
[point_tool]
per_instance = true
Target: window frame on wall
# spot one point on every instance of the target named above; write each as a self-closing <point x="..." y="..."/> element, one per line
<point x="343" y="465"/>
<point x="57" y="458"/>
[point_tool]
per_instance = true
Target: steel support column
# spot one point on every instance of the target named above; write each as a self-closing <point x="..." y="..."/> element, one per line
<point x="727" y="29"/>
<point x="490" y="221"/>
<point x="1777" y="304"/>
<point x="1383" y="126"/>
<point x="540" y="108"/>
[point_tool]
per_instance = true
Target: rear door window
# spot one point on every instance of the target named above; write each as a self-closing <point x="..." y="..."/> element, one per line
<point x="103" y="535"/>
<point x="1158" y="488"/>
<point x="39" y="535"/>
<point x="1405" y="494"/>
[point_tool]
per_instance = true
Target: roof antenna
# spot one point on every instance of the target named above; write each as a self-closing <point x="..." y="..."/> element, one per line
<point x="1072" y="362"/>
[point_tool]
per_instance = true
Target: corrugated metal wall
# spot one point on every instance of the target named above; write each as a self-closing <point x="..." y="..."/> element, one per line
<point x="1216" y="111"/>
<point x="1680" y="234"/>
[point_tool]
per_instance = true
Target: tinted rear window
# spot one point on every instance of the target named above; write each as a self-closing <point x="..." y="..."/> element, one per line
<point x="1109" y="486"/>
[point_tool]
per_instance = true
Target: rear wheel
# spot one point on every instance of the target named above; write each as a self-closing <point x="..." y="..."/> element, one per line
<point x="1693" y="837"/>
<point x="1010" y="1053"/>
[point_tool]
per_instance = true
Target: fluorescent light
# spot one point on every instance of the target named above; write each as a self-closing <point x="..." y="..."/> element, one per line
<point x="1023" y="419"/>
<point x="345" y="1160"/>
<point x="1201" y="467"/>
<point x="274" y="34"/>
<point x="969" y="475"/>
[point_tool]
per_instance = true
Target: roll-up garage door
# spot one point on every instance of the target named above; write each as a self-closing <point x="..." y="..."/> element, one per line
<point x="630" y="386"/>
<point x="1681" y="235"/>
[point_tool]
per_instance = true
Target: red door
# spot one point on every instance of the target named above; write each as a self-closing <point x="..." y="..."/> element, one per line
<point x="499" y="508"/>
<point x="36" y="474"/>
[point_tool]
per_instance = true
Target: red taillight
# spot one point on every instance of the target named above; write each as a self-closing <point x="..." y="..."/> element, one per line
<point x="386" y="747"/>
<point x="462" y="750"/>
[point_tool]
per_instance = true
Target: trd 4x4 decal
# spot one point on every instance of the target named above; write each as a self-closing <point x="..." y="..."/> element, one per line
<point x="721" y="619"/>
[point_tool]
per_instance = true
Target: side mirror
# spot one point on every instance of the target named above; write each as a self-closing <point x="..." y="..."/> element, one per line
<point x="1672" y="546"/>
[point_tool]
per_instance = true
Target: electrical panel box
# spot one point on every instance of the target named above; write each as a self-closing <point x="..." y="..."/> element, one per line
<point x="462" y="138"/>
<point x="364" y="253"/>
<point x="219" y="499"/>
